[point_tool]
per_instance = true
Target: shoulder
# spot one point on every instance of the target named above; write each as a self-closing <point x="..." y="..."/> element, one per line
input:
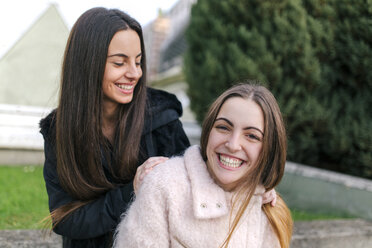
<point x="268" y="236"/>
<point x="172" y="168"/>
<point x="168" y="176"/>
<point x="159" y="100"/>
<point x="162" y="109"/>
<point x="48" y="125"/>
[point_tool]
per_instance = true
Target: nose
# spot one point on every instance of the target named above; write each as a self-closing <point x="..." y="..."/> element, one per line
<point x="133" y="71"/>
<point x="233" y="143"/>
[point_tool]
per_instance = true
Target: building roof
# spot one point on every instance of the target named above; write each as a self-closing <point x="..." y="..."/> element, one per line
<point x="29" y="71"/>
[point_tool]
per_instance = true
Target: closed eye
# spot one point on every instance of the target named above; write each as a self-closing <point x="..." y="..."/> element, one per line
<point x="254" y="137"/>
<point x="222" y="128"/>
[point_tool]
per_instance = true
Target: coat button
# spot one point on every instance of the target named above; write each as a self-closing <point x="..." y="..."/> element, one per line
<point x="203" y="205"/>
<point x="218" y="205"/>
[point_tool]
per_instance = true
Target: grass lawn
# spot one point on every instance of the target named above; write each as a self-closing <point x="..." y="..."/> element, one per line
<point x="24" y="201"/>
<point x="23" y="197"/>
<point x="299" y="215"/>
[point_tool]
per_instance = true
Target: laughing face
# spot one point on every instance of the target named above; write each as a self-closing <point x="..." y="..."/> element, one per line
<point x="235" y="141"/>
<point x="123" y="68"/>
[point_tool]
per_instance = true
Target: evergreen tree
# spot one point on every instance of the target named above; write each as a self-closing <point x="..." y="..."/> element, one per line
<point x="298" y="49"/>
<point x="258" y="39"/>
<point x="342" y="36"/>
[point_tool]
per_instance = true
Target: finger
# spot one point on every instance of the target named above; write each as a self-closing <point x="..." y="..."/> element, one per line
<point x="145" y="168"/>
<point x="273" y="202"/>
<point x="266" y="197"/>
<point x="135" y="184"/>
<point x="142" y="176"/>
<point x="153" y="163"/>
<point x="146" y="171"/>
<point x="154" y="159"/>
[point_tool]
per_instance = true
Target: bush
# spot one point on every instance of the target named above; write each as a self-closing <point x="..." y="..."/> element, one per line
<point x="341" y="34"/>
<point x="297" y="49"/>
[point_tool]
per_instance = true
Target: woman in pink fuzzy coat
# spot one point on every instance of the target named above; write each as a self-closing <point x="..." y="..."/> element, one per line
<point x="212" y="196"/>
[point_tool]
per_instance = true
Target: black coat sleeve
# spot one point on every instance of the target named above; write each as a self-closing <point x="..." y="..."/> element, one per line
<point x="91" y="220"/>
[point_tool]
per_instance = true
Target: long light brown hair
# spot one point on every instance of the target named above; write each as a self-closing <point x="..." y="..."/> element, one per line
<point x="270" y="165"/>
<point x="80" y="142"/>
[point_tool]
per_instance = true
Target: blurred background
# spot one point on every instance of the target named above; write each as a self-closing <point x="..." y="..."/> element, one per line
<point x="314" y="55"/>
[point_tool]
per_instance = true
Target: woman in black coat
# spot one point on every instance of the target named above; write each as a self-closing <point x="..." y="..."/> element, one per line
<point x="106" y="125"/>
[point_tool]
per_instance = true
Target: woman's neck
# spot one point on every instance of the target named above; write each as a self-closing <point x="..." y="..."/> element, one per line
<point x="109" y="121"/>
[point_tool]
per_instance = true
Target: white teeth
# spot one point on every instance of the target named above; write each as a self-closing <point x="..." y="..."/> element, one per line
<point x="230" y="162"/>
<point x="125" y="86"/>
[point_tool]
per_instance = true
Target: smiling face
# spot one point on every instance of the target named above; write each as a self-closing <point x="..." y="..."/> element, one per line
<point x="123" y="68"/>
<point x="235" y="141"/>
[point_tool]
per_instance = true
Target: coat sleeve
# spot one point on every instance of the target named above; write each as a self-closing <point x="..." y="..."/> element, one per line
<point x="145" y="224"/>
<point x="91" y="220"/>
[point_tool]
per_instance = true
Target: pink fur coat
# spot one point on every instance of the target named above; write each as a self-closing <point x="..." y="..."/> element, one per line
<point x="179" y="205"/>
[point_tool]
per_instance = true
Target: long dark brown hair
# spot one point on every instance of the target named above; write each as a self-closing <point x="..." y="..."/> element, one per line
<point x="79" y="138"/>
<point x="270" y="165"/>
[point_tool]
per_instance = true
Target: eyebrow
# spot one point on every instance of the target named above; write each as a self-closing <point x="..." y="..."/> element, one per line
<point x="231" y="124"/>
<point x="122" y="55"/>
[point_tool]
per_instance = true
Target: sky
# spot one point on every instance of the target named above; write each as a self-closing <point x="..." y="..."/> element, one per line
<point x="17" y="16"/>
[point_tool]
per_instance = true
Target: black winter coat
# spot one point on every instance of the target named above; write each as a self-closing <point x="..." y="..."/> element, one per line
<point x="93" y="224"/>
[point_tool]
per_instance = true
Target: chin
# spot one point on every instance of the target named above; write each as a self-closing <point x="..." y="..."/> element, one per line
<point x="126" y="100"/>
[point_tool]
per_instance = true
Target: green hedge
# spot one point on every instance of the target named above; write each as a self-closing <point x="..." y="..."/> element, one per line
<point x="314" y="55"/>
